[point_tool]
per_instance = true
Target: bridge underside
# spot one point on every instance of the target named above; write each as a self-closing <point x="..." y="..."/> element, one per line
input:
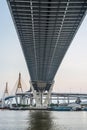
<point x="45" y="29"/>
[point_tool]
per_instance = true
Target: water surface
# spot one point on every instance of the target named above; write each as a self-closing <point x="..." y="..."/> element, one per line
<point x="42" y="120"/>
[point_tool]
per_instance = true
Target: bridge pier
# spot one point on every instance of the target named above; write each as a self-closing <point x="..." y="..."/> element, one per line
<point x="68" y="99"/>
<point x="48" y="100"/>
<point x="3" y="103"/>
<point x="38" y="95"/>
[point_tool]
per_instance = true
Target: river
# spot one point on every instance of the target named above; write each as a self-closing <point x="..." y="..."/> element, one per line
<point x="42" y="120"/>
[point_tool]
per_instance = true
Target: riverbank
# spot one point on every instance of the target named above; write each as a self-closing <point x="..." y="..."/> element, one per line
<point x="59" y="108"/>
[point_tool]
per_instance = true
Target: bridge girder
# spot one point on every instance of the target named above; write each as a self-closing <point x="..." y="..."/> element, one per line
<point x="45" y="29"/>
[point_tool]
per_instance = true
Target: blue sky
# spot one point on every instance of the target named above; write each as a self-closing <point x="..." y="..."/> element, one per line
<point x="72" y="74"/>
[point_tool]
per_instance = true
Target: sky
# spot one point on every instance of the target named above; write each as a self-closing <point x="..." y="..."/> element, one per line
<point x="72" y="73"/>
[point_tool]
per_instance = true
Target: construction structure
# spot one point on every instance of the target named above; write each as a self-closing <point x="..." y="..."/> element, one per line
<point x="20" y="98"/>
<point x="19" y="88"/>
<point x="17" y="94"/>
<point x="45" y="29"/>
<point x="25" y="100"/>
<point x="5" y="94"/>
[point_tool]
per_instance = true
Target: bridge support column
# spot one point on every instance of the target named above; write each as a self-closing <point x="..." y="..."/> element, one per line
<point x="16" y="100"/>
<point x="68" y="99"/>
<point x="3" y="103"/>
<point x="57" y="100"/>
<point x="31" y="99"/>
<point x="10" y="103"/>
<point x="27" y="101"/>
<point x="48" y="100"/>
<point x="38" y="95"/>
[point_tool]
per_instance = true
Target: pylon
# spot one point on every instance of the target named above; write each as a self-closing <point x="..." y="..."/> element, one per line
<point x="5" y="94"/>
<point x="6" y="91"/>
<point x="19" y="85"/>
